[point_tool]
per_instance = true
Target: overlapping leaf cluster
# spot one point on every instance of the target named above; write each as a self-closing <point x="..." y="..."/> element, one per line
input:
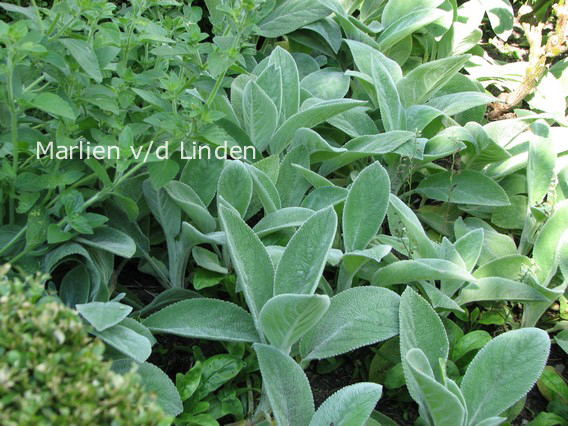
<point x="380" y="205"/>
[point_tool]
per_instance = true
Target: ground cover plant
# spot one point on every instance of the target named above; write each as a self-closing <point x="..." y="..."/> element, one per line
<point x="303" y="212"/>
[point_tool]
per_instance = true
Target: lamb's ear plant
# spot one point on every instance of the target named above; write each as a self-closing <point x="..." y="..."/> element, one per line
<point x="290" y="395"/>
<point x="498" y="376"/>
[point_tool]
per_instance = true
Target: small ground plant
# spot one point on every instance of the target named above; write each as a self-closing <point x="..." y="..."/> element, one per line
<point x="239" y="197"/>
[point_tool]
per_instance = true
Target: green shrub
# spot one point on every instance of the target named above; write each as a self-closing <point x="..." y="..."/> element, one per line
<point x="51" y="372"/>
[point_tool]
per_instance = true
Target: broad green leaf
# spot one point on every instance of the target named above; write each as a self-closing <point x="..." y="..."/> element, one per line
<point x="53" y="104"/>
<point x="289" y="15"/>
<point x="503" y="372"/>
<point x="259" y="115"/>
<point x="204" y="319"/>
<point x="250" y="259"/>
<point x="217" y="370"/>
<point x="285" y="318"/>
<point x="111" y="240"/>
<point x="420" y="84"/>
<point x="356" y="317"/>
<point x="186" y="198"/>
<point x="309" y="117"/>
<point x="303" y="261"/>
<point x="103" y="315"/>
<point x="85" y="57"/>
<point x="126" y="341"/>
<point x="369" y="193"/>
<point x="442" y="405"/>
<point x="235" y="186"/>
<point x="288" y="217"/>
<point x="467" y="187"/>
<point x="349" y="406"/>
<point x="552" y="385"/>
<point x="496" y="288"/>
<point x="157" y="382"/>
<point x="405" y="271"/>
<point x="162" y="171"/>
<point x="286" y="385"/>
<point x="545" y="246"/>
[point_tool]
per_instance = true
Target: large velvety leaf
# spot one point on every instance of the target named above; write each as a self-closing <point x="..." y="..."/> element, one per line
<point x="406" y="25"/>
<point x="302" y="263"/>
<point x="289" y="15"/>
<point x="204" y="319"/>
<point x="349" y="406"/>
<point x="235" y="186"/>
<point x="546" y="244"/>
<point x="103" y="315"/>
<point x="287" y="217"/>
<point x="467" y="187"/>
<point x="188" y="200"/>
<point x="422" y="328"/>
<point x="356" y="317"/>
<point x="309" y="117"/>
<point x="420" y="84"/>
<point x="250" y="259"/>
<point x="126" y="341"/>
<point x="503" y="372"/>
<point x="290" y="81"/>
<point x="392" y="111"/>
<point x="444" y="407"/>
<point x="111" y="240"/>
<point x="259" y="114"/>
<point x="365" y="207"/>
<point x="405" y="271"/>
<point x="287" y="386"/>
<point x="496" y="288"/>
<point x="156" y="381"/>
<point x="287" y="317"/>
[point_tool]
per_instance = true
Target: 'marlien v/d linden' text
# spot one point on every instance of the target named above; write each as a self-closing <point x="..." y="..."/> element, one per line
<point x="84" y="150"/>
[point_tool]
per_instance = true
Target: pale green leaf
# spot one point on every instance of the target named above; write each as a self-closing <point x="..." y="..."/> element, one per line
<point x="503" y="372"/>
<point x="303" y="261"/>
<point x="204" y="319"/>
<point x="285" y="318"/>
